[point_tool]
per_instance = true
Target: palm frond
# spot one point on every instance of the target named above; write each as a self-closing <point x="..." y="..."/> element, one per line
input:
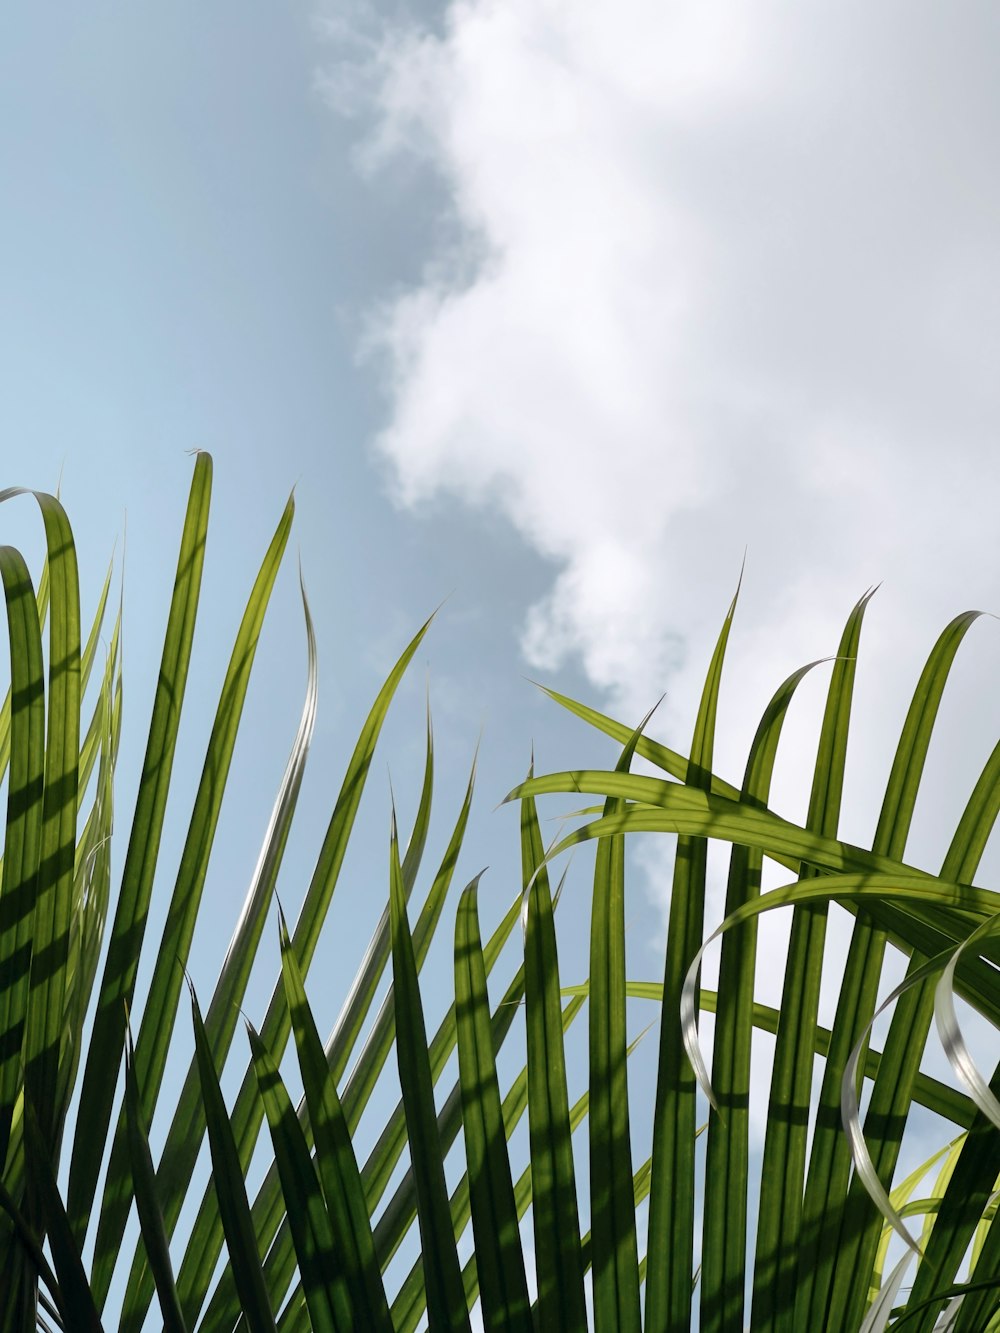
<point x="324" y="1234"/>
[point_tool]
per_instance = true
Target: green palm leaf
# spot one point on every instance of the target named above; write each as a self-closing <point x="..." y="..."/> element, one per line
<point x="671" y="1203"/>
<point x="445" y="1296"/>
<point x="268" y="1208"/>
<point x="187" y="1128"/>
<point x="324" y="1281"/>
<point x="784" y="1162"/>
<point x="154" y="1233"/>
<point x="50" y="928"/>
<point x="499" y="1261"/>
<point x="204" y="1244"/>
<point x="724" y="1232"/>
<point x="160" y="1009"/>
<point x="558" y="1263"/>
<point x="907" y="1035"/>
<point x="42" y="607"/>
<point x="333" y="1233"/>
<point x="227" y="1180"/>
<point x="77" y="1306"/>
<point x="22" y="841"/>
<point x="335" y="1160"/>
<point x="121" y="965"/>
<point x="613" y="1251"/>
<point x="400" y="1211"/>
<point x="830" y="1160"/>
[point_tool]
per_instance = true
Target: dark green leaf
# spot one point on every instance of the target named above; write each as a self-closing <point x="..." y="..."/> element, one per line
<point x="160" y="1011"/>
<point x="446" y="1307"/>
<point x="205" y="1242"/>
<point x="671" y="1203"/>
<point x="118" y="982"/>
<point x="614" y="1248"/>
<point x="227" y="1180"/>
<point x="558" y="1263"/>
<point x="323" y="1278"/>
<point x="154" y="1234"/>
<point x="335" y="1160"/>
<point x="499" y="1261"/>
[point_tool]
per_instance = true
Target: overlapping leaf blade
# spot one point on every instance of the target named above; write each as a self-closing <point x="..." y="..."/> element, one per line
<point x="160" y="1009"/>
<point x="827" y="1184"/>
<point x="268" y="1208"/>
<point x="227" y="1181"/>
<point x="400" y="1212"/>
<point x="121" y="964"/>
<point x="335" y="1160"/>
<point x="154" y="1234"/>
<point x="724" y="1231"/>
<point x="187" y="1127"/>
<point x="825" y="1261"/>
<point x="672" y="1201"/>
<point x="555" y="1215"/>
<point x="42" y="607"/>
<point x="446" y="1306"/>
<point x="963" y="1204"/>
<point x="613" y="1248"/>
<point x="324" y="1281"/>
<point x="911" y="1020"/>
<point x="784" y="1161"/>
<point x="22" y="840"/>
<point x="205" y="1241"/>
<point x="50" y="930"/>
<point x="91" y="881"/>
<point x="499" y="1261"/>
<point x="410" y="1300"/>
<point x="667" y="807"/>
<point x="77" y="1307"/>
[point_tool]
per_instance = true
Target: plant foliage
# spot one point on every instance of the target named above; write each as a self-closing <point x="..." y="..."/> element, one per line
<point x="801" y="1239"/>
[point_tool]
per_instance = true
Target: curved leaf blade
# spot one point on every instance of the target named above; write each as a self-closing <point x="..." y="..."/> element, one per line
<point x="499" y="1260"/>
<point x="205" y="1242"/>
<point x="446" y="1307"/>
<point x="727" y="1165"/>
<point x="227" y="1180"/>
<point x="612" y="1247"/>
<point x="50" y="930"/>
<point x="22" y="838"/>
<point x="671" y="1198"/>
<point x="187" y="1127"/>
<point x="121" y="964"/>
<point x="160" y="1010"/>
<point x="335" y="1159"/>
<point x="558" y="1261"/>
<point x="154" y="1236"/>
<point x="323" y="1279"/>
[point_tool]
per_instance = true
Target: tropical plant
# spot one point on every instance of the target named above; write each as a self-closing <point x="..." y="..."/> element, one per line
<point x="313" y="1247"/>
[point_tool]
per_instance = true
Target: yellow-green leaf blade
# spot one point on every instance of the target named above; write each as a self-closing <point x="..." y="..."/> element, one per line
<point x="22" y="839"/>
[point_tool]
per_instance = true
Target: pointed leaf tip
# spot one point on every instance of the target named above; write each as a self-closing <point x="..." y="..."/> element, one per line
<point x="283" y="936"/>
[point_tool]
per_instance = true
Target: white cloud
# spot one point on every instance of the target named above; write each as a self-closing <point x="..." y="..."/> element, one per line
<point x="717" y="277"/>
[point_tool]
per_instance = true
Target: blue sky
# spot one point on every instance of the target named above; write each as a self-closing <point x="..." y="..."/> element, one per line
<point x="191" y="257"/>
<point x="550" y="310"/>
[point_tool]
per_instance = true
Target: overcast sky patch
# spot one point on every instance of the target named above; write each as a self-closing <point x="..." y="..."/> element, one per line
<point x="710" y="281"/>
